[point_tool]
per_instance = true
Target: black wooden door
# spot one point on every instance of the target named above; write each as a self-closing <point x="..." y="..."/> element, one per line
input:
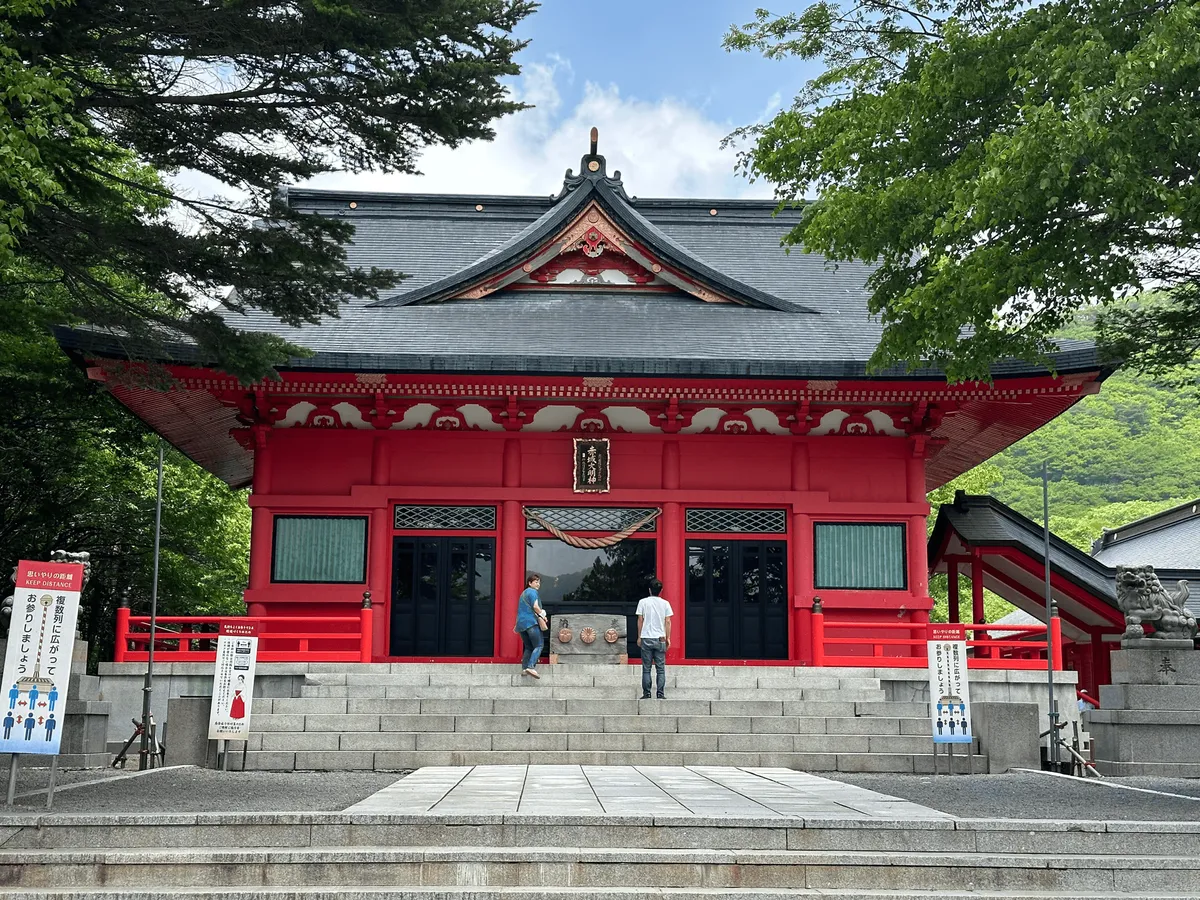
<point x="443" y="596"/>
<point x="737" y="600"/>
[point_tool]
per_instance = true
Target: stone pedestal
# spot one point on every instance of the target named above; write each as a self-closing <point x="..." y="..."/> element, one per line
<point x="187" y="743"/>
<point x="603" y="646"/>
<point x="1008" y="734"/>
<point x="1146" y="724"/>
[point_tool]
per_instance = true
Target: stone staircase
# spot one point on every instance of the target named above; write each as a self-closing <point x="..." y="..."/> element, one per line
<point x="343" y="856"/>
<point x="404" y="716"/>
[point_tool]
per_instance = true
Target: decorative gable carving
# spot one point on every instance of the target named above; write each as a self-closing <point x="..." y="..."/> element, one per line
<point x="592" y="250"/>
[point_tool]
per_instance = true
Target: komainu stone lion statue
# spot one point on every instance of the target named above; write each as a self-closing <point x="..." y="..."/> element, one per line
<point x="1141" y="596"/>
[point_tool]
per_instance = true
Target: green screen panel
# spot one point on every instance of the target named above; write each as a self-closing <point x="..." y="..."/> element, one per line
<point x="320" y="549"/>
<point x="857" y="556"/>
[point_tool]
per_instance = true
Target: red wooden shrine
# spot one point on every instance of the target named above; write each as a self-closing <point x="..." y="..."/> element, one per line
<point x="728" y="377"/>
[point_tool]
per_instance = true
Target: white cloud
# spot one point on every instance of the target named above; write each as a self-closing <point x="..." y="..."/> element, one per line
<point x="663" y="148"/>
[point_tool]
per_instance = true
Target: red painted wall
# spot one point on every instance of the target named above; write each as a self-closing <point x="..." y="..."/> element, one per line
<point x="348" y="471"/>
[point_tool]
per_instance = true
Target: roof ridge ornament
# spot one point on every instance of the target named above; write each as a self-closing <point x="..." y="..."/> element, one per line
<point x="592" y="167"/>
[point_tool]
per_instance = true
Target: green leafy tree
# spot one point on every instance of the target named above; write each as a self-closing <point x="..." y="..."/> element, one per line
<point x="1004" y="164"/>
<point x="251" y="96"/>
<point x="80" y="473"/>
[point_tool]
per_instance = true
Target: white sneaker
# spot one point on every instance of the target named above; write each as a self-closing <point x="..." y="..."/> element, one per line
<point x="533" y="673"/>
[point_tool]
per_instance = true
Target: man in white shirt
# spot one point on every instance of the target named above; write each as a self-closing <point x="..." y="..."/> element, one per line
<point x="654" y="637"/>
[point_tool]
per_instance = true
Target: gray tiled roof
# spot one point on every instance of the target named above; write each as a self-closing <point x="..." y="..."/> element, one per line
<point x="1175" y="546"/>
<point x="819" y="327"/>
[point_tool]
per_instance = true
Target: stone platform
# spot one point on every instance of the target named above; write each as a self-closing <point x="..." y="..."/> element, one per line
<point x="534" y="833"/>
<point x="677" y="791"/>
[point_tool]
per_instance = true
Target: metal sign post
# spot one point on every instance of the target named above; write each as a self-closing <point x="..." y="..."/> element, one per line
<point x="148" y="687"/>
<point x="949" y="693"/>
<point x="1051" y="613"/>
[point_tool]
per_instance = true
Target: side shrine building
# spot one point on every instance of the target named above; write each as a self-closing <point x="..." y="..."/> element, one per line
<point x="600" y="388"/>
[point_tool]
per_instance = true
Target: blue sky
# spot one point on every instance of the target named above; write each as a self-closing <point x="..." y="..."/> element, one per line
<point x="660" y="49"/>
<point x="652" y="76"/>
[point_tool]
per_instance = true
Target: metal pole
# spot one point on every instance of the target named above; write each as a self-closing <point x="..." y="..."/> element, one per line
<point x="53" y="781"/>
<point x="1051" y="612"/>
<point x="148" y="688"/>
<point x="12" y="778"/>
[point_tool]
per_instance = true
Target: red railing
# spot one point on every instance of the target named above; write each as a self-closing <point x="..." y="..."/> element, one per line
<point x="871" y="644"/>
<point x="280" y="638"/>
<point x="1086" y="697"/>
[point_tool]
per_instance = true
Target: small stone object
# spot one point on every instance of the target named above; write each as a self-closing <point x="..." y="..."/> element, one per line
<point x="565" y="635"/>
<point x="587" y="634"/>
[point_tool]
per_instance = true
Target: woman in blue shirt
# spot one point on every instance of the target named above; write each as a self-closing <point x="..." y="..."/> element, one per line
<point x="529" y="619"/>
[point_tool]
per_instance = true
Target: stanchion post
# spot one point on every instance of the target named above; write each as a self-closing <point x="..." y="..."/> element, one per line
<point x="121" y="647"/>
<point x="365" y="626"/>
<point x="818" y="632"/>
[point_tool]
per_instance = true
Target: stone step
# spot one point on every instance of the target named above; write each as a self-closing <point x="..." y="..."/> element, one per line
<point x="343" y="867"/>
<point x="29" y="834"/>
<point x="532" y="704"/>
<point x="445" y="892"/>
<point x="448" y="676"/>
<point x="547" y="741"/>
<point x="621" y="724"/>
<point x="394" y="760"/>
<point x="575" y="692"/>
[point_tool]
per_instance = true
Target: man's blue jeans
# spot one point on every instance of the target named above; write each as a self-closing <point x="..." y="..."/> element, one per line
<point x="532" y="636"/>
<point x="654" y="651"/>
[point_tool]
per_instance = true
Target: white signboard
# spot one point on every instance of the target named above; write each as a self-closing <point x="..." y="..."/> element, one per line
<point x="949" y="694"/>
<point x="37" y="665"/>
<point x="233" y="681"/>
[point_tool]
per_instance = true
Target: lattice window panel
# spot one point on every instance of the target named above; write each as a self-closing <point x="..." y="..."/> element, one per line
<point x="737" y="521"/>
<point x="591" y="518"/>
<point x="446" y="518"/>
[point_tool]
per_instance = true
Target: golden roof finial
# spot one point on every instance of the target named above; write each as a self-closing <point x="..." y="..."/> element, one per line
<point x="595" y="139"/>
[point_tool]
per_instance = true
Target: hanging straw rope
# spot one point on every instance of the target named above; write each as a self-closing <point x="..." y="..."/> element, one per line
<point x="591" y="543"/>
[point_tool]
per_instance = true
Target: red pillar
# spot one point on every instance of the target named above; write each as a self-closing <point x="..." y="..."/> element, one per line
<point x="121" y="645"/>
<point x="380" y="553"/>
<point x="977" y="613"/>
<point x="673" y="587"/>
<point x="952" y="591"/>
<point x="802" y="562"/>
<point x="672" y="552"/>
<point x="1101" y="662"/>
<point x="802" y="590"/>
<point x="260" y="518"/>
<point x="380" y="568"/>
<point x="510" y="579"/>
<point x="918" y="558"/>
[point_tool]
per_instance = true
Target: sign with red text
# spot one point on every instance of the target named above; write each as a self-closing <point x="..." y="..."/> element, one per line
<point x="233" y="681"/>
<point x="37" y="664"/>
<point x="949" y="693"/>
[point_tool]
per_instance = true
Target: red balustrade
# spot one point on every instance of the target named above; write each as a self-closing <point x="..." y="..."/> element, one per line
<point x="865" y="643"/>
<point x="280" y="638"/>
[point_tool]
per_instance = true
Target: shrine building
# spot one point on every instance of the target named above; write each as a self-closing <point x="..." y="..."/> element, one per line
<point x="603" y="389"/>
